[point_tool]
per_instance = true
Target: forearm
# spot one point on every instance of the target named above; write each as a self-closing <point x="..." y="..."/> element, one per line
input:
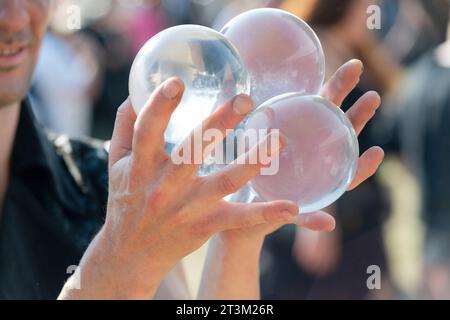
<point x="174" y="286"/>
<point x="102" y="275"/>
<point x="231" y="271"/>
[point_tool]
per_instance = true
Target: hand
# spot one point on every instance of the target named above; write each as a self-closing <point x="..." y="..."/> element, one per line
<point x="317" y="252"/>
<point x="232" y="266"/>
<point x="335" y="90"/>
<point x="159" y="211"/>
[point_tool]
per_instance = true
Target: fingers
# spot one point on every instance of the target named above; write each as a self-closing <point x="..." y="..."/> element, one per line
<point x="237" y="216"/>
<point x="336" y="90"/>
<point x="272" y="215"/>
<point x="342" y="82"/>
<point x="316" y="221"/>
<point x="226" y="117"/>
<point x="201" y="142"/>
<point x="122" y="138"/>
<point x="367" y="166"/>
<point x="152" y="121"/>
<point x="363" y="110"/>
<point x="244" y="168"/>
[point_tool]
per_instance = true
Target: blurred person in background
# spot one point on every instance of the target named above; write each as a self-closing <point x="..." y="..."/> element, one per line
<point x="202" y="12"/>
<point x="53" y="192"/>
<point x="118" y="34"/>
<point x="334" y="266"/>
<point x="234" y="8"/>
<point x="411" y="28"/>
<point x="422" y="132"/>
<point x="145" y="21"/>
<point x="63" y="84"/>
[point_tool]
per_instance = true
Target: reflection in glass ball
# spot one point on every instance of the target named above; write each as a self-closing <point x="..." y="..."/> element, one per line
<point x="282" y="53"/>
<point x="320" y="157"/>
<point x="208" y="64"/>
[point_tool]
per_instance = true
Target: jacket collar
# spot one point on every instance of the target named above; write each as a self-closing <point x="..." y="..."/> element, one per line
<point x="31" y="149"/>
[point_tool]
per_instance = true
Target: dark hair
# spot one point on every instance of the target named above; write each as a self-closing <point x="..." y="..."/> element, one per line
<point x="327" y="13"/>
<point x="438" y="12"/>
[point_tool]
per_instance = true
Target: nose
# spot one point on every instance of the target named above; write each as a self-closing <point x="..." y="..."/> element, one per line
<point x="14" y="15"/>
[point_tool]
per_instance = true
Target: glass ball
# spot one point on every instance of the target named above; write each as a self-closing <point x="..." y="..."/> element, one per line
<point x="281" y="52"/>
<point x="204" y="59"/>
<point x="320" y="156"/>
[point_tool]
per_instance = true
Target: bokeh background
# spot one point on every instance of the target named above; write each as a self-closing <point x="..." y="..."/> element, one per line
<point x="399" y="220"/>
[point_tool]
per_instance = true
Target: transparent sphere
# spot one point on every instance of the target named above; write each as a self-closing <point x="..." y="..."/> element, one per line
<point x="204" y="59"/>
<point x="320" y="157"/>
<point x="282" y="53"/>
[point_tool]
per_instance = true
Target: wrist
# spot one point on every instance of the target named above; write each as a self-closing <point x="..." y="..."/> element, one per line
<point x="238" y="246"/>
<point x="231" y="243"/>
<point x="104" y="273"/>
<point x="231" y="271"/>
<point x="138" y="272"/>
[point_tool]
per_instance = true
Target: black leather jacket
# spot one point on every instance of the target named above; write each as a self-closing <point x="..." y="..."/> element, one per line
<point x="54" y="205"/>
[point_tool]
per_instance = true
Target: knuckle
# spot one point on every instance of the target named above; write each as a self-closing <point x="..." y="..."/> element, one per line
<point x="226" y="184"/>
<point x="268" y="214"/>
<point x="222" y="123"/>
<point x="180" y="219"/>
<point x="336" y="85"/>
<point x="247" y="221"/>
<point x="157" y="199"/>
<point x="174" y="173"/>
<point x="122" y="199"/>
<point x="137" y="175"/>
<point x="197" y="185"/>
<point x="202" y="229"/>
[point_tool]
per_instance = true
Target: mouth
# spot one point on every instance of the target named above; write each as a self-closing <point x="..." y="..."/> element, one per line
<point x="11" y="56"/>
<point x="9" y="52"/>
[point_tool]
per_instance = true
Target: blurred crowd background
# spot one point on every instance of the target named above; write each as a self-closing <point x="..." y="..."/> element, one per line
<point x="399" y="220"/>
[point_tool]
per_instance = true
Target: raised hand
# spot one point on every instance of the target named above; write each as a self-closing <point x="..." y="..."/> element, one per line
<point x="335" y="90"/>
<point x="160" y="211"/>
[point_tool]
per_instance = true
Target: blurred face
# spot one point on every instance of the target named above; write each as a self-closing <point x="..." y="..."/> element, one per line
<point x="22" y="26"/>
<point x="355" y="22"/>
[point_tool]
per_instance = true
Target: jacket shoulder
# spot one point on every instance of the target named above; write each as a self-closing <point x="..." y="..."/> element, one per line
<point x="86" y="160"/>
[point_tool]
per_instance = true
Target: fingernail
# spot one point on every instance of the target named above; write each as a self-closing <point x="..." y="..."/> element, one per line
<point x="358" y="63"/>
<point x="378" y="97"/>
<point x="172" y="89"/>
<point x="242" y="105"/>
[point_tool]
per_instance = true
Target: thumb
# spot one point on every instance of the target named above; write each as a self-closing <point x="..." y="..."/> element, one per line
<point x="316" y="221"/>
<point x="248" y="215"/>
